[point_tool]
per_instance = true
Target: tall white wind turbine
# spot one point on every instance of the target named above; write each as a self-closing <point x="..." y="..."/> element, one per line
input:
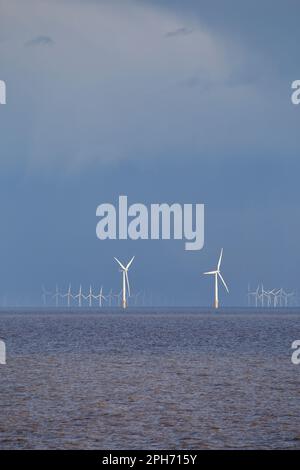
<point x="125" y="281"/>
<point x="218" y="275"/>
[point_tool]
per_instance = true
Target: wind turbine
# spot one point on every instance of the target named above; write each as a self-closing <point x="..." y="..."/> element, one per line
<point x="125" y="281"/>
<point x="79" y="296"/>
<point x="56" y="295"/>
<point x="118" y="298"/>
<point x="257" y="296"/>
<point x="281" y="296"/>
<point x="44" y="295"/>
<point x="100" y="296"/>
<point x="69" y="296"/>
<point x="264" y="293"/>
<point x="249" y="295"/>
<point x="287" y="296"/>
<point x="89" y="297"/>
<point x="144" y="300"/>
<point x="218" y="275"/>
<point x="110" y="297"/>
<point x="271" y="293"/>
<point x="277" y="297"/>
<point x="136" y="297"/>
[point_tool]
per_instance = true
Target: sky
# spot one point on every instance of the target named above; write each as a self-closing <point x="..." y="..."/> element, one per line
<point x="186" y="102"/>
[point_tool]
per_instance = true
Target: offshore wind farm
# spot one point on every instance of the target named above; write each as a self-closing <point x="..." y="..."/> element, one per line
<point x="124" y="297"/>
<point x="271" y="298"/>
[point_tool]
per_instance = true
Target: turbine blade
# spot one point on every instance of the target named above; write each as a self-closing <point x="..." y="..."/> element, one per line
<point x="129" y="264"/>
<point x="223" y="282"/>
<point x="220" y="260"/>
<point x="127" y="281"/>
<point x="210" y="272"/>
<point x="119" y="262"/>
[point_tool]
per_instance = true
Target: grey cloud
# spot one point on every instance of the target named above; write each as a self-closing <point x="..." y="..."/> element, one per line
<point x="179" y="32"/>
<point x="40" y="41"/>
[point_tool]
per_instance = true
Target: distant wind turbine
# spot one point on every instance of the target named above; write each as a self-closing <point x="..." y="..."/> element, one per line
<point x="136" y="297"/>
<point x="125" y="281"/>
<point x="118" y="297"/>
<point x="100" y="296"/>
<point x="45" y="294"/>
<point x="56" y="295"/>
<point x="89" y="297"/>
<point x="218" y="275"/>
<point x="79" y="296"/>
<point x="69" y="296"/>
<point x="110" y="297"/>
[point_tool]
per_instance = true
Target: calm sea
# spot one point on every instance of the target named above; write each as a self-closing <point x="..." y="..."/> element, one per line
<point x="162" y="379"/>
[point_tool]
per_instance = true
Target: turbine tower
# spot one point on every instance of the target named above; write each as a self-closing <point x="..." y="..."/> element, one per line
<point x="218" y="275"/>
<point x="125" y="281"/>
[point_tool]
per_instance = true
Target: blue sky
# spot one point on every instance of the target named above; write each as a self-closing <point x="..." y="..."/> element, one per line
<point x="164" y="102"/>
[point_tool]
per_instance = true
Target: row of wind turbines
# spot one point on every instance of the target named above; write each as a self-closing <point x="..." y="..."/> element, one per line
<point x="260" y="297"/>
<point x="270" y="298"/>
<point x="90" y="297"/>
<point x="124" y="294"/>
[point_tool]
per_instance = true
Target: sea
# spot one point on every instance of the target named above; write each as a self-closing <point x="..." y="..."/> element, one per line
<point x="173" y="379"/>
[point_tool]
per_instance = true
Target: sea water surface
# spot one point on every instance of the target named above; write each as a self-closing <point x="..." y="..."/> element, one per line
<point x="149" y="379"/>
